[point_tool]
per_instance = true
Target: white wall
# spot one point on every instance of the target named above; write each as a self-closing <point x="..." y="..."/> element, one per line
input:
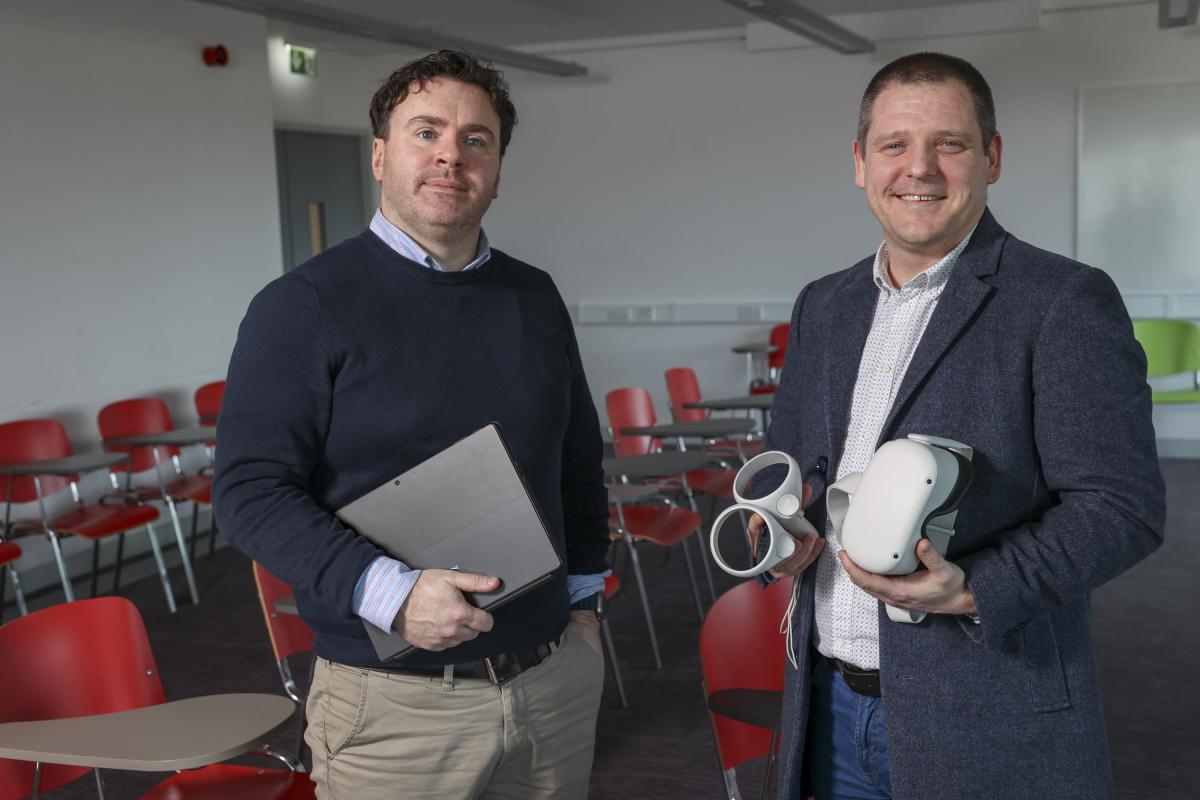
<point x="138" y="206"/>
<point x="138" y="211"/>
<point x="706" y="172"/>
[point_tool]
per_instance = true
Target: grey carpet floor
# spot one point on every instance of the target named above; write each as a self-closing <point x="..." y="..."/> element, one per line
<point x="1147" y="641"/>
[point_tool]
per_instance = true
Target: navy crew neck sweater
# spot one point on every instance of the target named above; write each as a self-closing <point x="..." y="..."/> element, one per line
<point x="360" y="364"/>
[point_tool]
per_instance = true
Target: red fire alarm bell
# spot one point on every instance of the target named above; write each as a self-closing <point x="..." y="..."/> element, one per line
<point x="216" y="56"/>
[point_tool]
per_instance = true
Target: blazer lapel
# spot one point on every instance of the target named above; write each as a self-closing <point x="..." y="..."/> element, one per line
<point x="960" y="300"/>
<point x="854" y="309"/>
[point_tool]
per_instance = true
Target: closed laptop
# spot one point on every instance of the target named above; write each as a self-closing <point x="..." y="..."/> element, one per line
<point x="466" y="508"/>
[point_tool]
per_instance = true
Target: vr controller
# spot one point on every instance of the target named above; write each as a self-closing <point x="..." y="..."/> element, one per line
<point x="911" y="489"/>
<point x="780" y="510"/>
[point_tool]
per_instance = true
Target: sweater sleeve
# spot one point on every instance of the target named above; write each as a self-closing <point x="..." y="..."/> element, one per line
<point x="585" y="499"/>
<point x="275" y="417"/>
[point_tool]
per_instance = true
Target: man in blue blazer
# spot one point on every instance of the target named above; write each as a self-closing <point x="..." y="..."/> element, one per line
<point x="958" y="329"/>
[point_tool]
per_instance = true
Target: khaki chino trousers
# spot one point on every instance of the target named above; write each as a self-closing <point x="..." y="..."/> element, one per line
<point x="378" y="735"/>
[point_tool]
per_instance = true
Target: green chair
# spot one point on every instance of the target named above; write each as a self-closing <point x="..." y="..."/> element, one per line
<point x="1172" y="348"/>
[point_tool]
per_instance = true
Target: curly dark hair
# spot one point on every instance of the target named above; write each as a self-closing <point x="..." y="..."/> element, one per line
<point x="456" y="64"/>
<point x="930" y="68"/>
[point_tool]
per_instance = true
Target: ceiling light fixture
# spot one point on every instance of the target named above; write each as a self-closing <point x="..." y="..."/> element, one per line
<point x="800" y="20"/>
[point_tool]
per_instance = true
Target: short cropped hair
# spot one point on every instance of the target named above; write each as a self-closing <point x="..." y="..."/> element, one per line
<point x="930" y="68"/>
<point x="455" y="64"/>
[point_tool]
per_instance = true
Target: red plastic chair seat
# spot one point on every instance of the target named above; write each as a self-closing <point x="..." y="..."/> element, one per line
<point x="97" y="521"/>
<point x="767" y="389"/>
<point x="9" y="552"/>
<point x="664" y="526"/>
<point x="234" y="782"/>
<point x="611" y="584"/>
<point x="716" y="481"/>
<point x="197" y="488"/>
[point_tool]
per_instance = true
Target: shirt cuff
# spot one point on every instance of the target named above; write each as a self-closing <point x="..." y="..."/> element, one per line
<point x="381" y="591"/>
<point x="581" y="586"/>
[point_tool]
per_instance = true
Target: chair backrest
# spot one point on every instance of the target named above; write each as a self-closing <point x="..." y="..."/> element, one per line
<point x="1172" y="345"/>
<point x="631" y="408"/>
<point x="208" y="402"/>
<point x="31" y="440"/>
<point x="779" y="338"/>
<point x="741" y="648"/>
<point x="69" y="660"/>
<point x="682" y="387"/>
<point x="134" y="417"/>
<point x="289" y="633"/>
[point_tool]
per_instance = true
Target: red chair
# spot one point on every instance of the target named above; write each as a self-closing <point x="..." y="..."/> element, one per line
<point x="35" y="440"/>
<point x="775" y="359"/>
<point x="289" y="633"/>
<point x="9" y="552"/>
<point x="144" y="415"/>
<point x="778" y="338"/>
<point x="76" y="660"/>
<point x="630" y="408"/>
<point x="683" y="388"/>
<point x="208" y="402"/>
<point x="742" y="657"/>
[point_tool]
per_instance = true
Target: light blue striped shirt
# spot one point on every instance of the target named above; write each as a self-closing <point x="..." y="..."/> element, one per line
<point x="386" y="583"/>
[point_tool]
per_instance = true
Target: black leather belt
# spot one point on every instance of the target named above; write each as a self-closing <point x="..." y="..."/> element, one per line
<point x="499" y="669"/>
<point x="862" y="681"/>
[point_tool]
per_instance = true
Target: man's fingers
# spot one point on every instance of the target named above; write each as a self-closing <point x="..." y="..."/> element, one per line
<point x="473" y="582"/>
<point x="929" y="555"/>
<point x="478" y="620"/>
<point x="806" y="496"/>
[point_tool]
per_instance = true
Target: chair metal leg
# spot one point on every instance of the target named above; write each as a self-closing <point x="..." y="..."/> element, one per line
<point x="704" y="559"/>
<point x="183" y="552"/>
<point x="62" y="566"/>
<point x="612" y="660"/>
<point x="192" y="540"/>
<point x="18" y="595"/>
<point x="95" y="565"/>
<point x="99" y="783"/>
<point x="731" y="784"/>
<point x="687" y="559"/>
<point x="117" y="564"/>
<point x="162" y="568"/>
<point x="770" y="765"/>
<point x="37" y="780"/>
<point x="631" y="546"/>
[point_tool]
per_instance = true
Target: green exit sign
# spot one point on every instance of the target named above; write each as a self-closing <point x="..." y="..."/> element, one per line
<point x="302" y="60"/>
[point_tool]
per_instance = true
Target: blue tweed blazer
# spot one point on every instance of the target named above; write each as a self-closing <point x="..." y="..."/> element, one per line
<point x="1030" y="359"/>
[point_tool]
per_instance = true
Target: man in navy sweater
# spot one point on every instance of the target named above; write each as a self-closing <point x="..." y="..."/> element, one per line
<point x="367" y="360"/>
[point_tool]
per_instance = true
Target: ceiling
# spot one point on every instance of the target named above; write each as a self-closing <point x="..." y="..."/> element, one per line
<point x="525" y="22"/>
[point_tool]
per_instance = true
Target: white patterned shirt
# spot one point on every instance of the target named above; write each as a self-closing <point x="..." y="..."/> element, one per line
<point x="847" y="618"/>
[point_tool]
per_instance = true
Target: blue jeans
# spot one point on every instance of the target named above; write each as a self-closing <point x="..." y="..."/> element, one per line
<point x="847" y="746"/>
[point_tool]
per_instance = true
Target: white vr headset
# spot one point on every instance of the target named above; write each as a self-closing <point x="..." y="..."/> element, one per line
<point x="911" y="489"/>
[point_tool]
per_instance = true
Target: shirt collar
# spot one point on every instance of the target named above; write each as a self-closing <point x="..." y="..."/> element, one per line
<point x="934" y="277"/>
<point x="395" y="238"/>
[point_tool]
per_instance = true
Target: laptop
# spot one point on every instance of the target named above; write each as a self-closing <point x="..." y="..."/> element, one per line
<point x="466" y="508"/>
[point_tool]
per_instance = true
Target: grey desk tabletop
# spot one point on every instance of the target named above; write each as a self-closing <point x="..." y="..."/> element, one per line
<point x="755" y="347"/>
<point x="671" y="463"/>
<point x="750" y="401"/>
<point x="702" y="428"/>
<point x="180" y="735"/>
<point x="624" y="493"/>
<point x="178" y="437"/>
<point x="70" y="465"/>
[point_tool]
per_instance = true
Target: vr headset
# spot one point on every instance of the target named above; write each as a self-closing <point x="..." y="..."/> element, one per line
<point x="911" y="489"/>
